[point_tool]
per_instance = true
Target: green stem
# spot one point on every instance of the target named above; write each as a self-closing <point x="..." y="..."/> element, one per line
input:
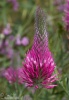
<point x="16" y="88"/>
<point x="37" y="93"/>
<point x="23" y="92"/>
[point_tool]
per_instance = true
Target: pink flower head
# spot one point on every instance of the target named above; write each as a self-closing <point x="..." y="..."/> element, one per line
<point x="7" y="30"/>
<point x="66" y="18"/>
<point x="25" y="41"/>
<point x="18" y="40"/>
<point x="15" y="4"/>
<point x="39" y="65"/>
<point x="10" y="74"/>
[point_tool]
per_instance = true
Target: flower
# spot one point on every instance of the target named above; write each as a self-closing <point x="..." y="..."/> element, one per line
<point x="61" y="8"/>
<point x="9" y="52"/>
<point x="18" y="40"/>
<point x="39" y="65"/>
<point x="59" y="5"/>
<point x="66" y="18"/>
<point x="57" y="2"/>
<point x="25" y="41"/>
<point x="7" y="30"/>
<point x="1" y="71"/>
<point x="15" y="4"/>
<point x="10" y="74"/>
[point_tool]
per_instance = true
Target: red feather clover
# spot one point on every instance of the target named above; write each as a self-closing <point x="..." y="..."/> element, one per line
<point x="39" y="65"/>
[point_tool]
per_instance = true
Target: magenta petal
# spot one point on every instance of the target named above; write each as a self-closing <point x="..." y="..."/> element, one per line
<point x="50" y="86"/>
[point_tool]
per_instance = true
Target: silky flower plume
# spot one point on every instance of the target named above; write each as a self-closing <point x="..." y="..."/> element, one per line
<point x="39" y="65"/>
